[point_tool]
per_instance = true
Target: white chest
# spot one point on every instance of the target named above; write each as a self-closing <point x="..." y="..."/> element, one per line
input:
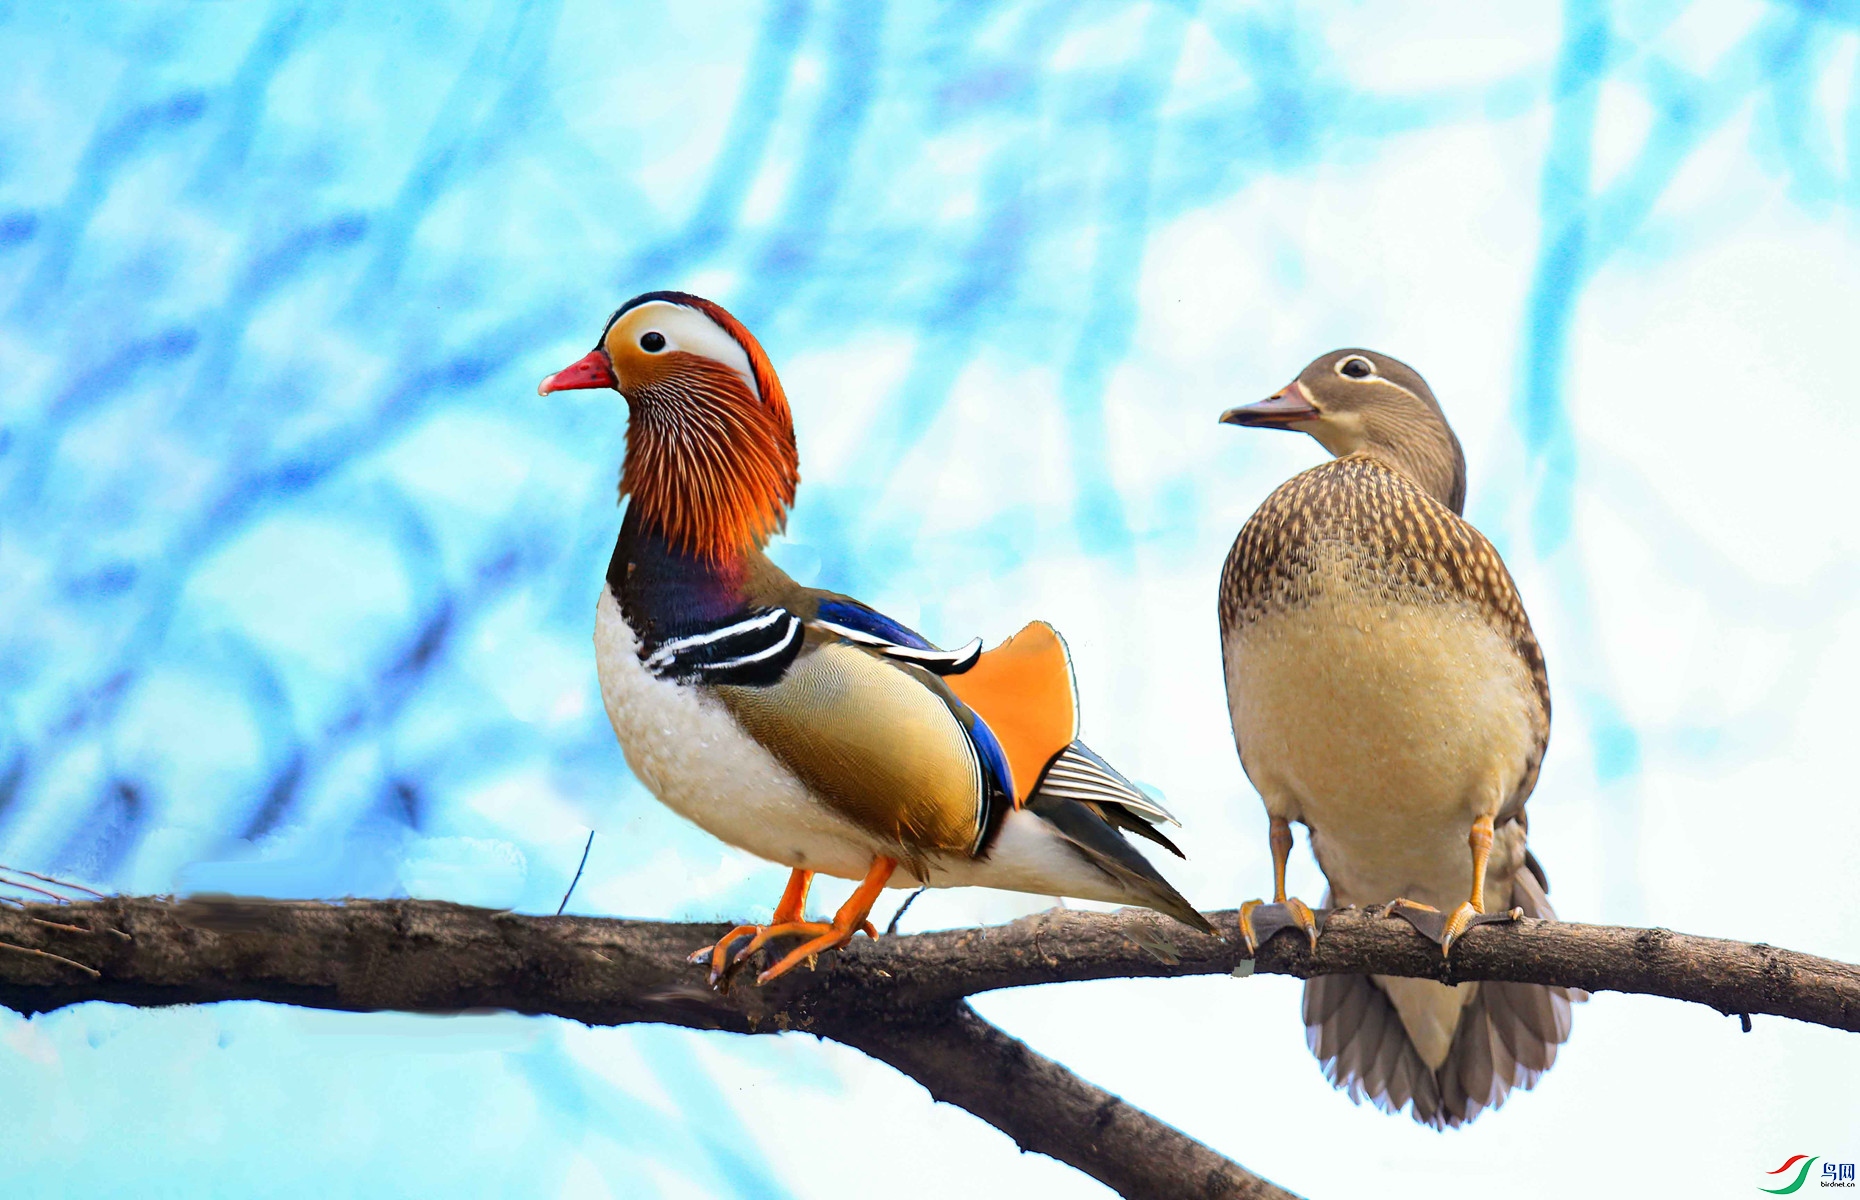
<point x="691" y="754"/>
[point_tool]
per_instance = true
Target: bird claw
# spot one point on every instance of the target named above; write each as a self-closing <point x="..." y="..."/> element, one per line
<point x="822" y="936"/>
<point x="1259" y="921"/>
<point x="847" y="924"/>
<point x="809" y="952"/>
<point x="1443" y="929"/>
<point x="718" y="955"/>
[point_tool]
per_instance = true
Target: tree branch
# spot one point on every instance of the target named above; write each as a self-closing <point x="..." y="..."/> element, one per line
<point x="965" y="1061"/>
<point x="1064" y="945"/>
<point x="898" y="999"/>
<point x="424" y="956"/>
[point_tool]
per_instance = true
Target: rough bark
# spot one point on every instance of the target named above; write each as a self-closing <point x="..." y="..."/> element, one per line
<point x="897" y="998"/>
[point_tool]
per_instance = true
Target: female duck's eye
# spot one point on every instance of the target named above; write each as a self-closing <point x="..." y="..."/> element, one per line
<point x="1356" y="368"/>
<point x="652" y="342"/>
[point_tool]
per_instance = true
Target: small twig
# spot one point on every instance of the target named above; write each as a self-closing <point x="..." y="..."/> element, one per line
<point x="93" y="972"/>
<point x="57" y="925"/>
<point x="63" y="883"/>
<point x="891" y="927"/>
<point x="27" y="887"/>
<point x="578" y="871"/>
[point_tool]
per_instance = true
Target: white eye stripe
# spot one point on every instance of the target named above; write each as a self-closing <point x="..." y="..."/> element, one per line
<point x="692" y="331"/>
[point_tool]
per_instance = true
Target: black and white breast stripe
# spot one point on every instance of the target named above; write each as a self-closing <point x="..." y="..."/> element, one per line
<point x="937" y="662"/>
<point x="1077" y="773"/>
<point x="752" y="652"/>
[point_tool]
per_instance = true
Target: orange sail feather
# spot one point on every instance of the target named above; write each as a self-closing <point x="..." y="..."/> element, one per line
<point x="1023" y="689"/>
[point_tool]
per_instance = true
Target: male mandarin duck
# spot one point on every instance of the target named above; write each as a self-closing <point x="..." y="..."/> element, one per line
<point x="1386" y="691"/>
<point x="801" y="725"/>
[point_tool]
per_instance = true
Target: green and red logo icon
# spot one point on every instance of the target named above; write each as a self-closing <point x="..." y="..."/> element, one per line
<point x="1801" y="1175"/>
<point x="1833" y="1174"/>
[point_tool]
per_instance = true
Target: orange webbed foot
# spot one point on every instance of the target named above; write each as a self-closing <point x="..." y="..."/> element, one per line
<point x="832" y="937"/>
<point x="723" y="963"/>
<point x="1444" y="929"/>
<point x="718" y="955"/>
<point x="1259" y="921"/>
<point x="847" y="923"/>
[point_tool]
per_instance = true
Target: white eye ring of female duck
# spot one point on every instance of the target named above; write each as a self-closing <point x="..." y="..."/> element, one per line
<point x="1356" y="367"/>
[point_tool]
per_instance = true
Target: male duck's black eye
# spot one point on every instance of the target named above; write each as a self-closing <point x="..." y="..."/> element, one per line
<point x="1356" y="367"/>
<point x="652" y="342"/>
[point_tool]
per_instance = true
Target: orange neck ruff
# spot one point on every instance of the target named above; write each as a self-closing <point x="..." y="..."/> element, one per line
<point x="709" y="466"/>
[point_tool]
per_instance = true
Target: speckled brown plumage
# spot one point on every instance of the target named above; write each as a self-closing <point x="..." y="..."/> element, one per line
<point x="1388" y="694"/>
<point x="1406" y="546"/>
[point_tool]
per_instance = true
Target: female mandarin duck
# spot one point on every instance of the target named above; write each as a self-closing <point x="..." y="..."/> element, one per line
<point x="1386" y="690"/>
<point x="801" y="725"/>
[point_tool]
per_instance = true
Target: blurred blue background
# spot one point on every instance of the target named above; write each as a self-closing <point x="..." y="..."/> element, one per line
<point x="297" y="573"/>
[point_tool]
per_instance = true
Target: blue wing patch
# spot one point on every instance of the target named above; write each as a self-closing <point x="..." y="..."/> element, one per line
<point x="852" y="615"/>
<point x="997" y="783"/>
<point x="863" y="627"/>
